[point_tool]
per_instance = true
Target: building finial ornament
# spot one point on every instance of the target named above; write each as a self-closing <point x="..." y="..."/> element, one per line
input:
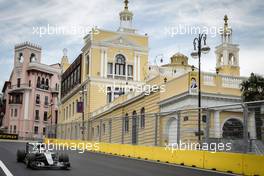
<point x="126" y="4"/>
<point x="226" y="19"/>
<point x="65" y="51"/>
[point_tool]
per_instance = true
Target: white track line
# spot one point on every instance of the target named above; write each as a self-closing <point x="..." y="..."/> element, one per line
<point x="6" y="171"/>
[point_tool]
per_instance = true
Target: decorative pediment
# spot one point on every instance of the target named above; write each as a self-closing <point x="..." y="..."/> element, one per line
<point x="120" y="40"/>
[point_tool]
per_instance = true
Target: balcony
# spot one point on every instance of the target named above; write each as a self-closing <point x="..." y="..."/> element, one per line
<point x="55" y="90"/>
<point x="43" y="86"/>
<point x="18" y="87"/>
<point x="15" y="98"/>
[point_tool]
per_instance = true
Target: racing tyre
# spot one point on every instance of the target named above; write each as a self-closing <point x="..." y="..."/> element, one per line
<point x="30" y="161"/>
<point x="21" y="155"/>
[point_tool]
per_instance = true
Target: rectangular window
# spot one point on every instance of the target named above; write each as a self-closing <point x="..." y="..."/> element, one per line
<point x="73" y="109"/>
<point x="29" y="83"/>
<point x="79" y="74"/>
<point x="110" y="68"/>
<point x="18" y="82"/>
<point x="37" y="115"/>
<point x="92" y="131"/>
<point x="46" y="100"/>
<point x="98" y="131"/>
<point x="71" y="80"/>
<point x="44" y="131"/>
<point x="118" y="92"/>
<point x="35" y="130"/>
<point x="130" y="70"/>
<point x="88" y="65"/>
<point x="45" y="116"/>
<point x="74" y="77"/>
<point x="37" y="99"/>
<point x="14" y="129"/>
<point x="66" y="85"/>
<point x="104" y="129"/>
<point x="126" y="124"/>
<point x="12" y="112"/>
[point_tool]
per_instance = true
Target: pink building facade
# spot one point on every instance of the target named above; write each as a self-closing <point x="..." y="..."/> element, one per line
<point x="31" y="94"/>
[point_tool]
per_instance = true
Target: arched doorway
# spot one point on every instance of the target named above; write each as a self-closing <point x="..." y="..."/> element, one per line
<point x="172" y="131"/>
<point x="233" y="129"/>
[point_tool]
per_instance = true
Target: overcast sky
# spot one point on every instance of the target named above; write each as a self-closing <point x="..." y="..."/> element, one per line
<point x="21" y="20"/>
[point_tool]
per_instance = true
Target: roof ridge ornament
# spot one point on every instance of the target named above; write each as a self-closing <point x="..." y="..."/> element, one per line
<point x="126" y="4"/>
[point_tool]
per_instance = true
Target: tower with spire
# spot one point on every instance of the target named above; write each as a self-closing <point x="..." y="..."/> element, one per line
<point x="64" y="60"/>
<point x="227" y="53"/>
<point x="126" y="18"/>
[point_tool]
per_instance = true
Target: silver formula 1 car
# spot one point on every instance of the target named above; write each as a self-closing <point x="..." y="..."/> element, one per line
<point x="36" y="156"/>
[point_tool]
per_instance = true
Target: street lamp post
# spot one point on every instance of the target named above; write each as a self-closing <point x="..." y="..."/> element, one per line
<point x="199" y="44"/>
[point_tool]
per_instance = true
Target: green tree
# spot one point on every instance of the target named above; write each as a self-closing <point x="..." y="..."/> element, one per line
<point x="253" y="88"/>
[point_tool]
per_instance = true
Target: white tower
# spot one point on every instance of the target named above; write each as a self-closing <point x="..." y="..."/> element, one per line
<point x="227" y="53"/>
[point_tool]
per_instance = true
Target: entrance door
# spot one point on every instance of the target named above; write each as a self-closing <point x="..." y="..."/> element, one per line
<point x="173" y="130"/>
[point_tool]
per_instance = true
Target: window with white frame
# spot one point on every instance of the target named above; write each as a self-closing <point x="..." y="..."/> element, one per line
<point x="109" y="68"/>
<point x="130" y="70"/>
<point x="120" y="65"/>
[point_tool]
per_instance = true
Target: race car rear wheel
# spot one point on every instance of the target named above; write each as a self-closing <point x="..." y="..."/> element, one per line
<point x="21" y="155"/>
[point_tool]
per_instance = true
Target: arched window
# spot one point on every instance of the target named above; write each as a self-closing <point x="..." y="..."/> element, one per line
<point x="126" y="123"/>
<point x="47" y="84"/>
<point x="134" y="127"/>
<point x="221" y="59"/>
<point x="20" y="57"/>
<point x="38" y="82"/>
<point x="231" y="59"/>
<point x="233" y="129"/>
<point x="120" y="65"/>
<point x="32" y="57"/>
<point x="142" y="118"/>
<point x="42" y="85"/>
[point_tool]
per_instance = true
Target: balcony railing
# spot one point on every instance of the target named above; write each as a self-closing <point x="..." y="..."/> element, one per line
<point x="15" y="101"/>
<point x="19" y="86"/>
<point x="122" y="77"/>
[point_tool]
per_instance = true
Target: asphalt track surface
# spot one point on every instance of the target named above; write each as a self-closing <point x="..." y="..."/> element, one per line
<point x="95" y="164"/>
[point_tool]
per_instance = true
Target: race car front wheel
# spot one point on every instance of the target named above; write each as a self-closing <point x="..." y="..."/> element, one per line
<point x="31" y="161"/>
<point x="21" y="155"/>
